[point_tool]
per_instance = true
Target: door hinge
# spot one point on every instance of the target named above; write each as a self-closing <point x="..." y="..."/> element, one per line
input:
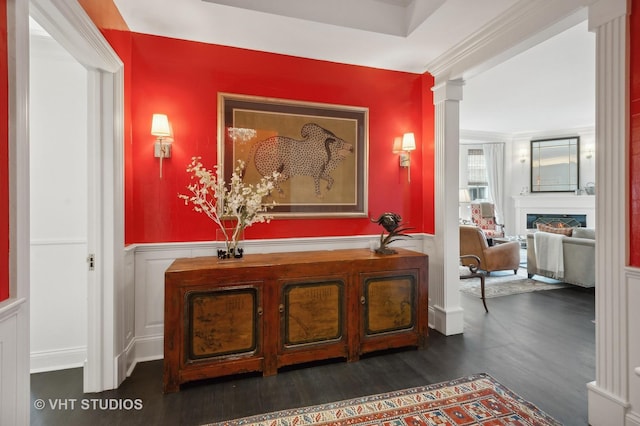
<point x="91" y="260"/>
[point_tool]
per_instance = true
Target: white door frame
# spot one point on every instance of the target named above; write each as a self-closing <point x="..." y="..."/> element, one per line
<point x="70" y="26"/>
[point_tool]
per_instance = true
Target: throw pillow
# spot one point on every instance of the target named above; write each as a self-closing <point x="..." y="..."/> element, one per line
<point x="565" y="230"/>
<point x="589" y="233"/>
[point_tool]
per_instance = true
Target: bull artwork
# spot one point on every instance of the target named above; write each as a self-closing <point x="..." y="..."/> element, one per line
<point x="316" y="155"/>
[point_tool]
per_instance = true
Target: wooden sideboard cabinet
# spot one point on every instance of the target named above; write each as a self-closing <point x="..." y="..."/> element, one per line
<point x="266" y="311"/>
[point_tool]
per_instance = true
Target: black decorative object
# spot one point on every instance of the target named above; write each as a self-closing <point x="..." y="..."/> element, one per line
<point x="232" y="253"/>
<point x="391" y="222"/>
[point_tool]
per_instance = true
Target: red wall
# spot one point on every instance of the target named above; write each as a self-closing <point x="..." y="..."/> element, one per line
<point x="634" y="122"/>
<point x="4" y="156"/>
<point x="182" y="79"/>
<point x="428" y="155"/>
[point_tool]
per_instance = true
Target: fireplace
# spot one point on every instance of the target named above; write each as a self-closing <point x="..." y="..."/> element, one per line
<point x="551" y="205"/>
<point x="571" y="220"/>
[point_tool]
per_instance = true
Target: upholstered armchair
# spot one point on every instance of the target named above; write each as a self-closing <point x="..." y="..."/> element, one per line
<point x="492" y="258"/>
<point x="483" y="215"/>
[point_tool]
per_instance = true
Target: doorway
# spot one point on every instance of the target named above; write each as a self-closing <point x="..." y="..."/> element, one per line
<point x="58" y="204"/>
<point x="105" y="365"/>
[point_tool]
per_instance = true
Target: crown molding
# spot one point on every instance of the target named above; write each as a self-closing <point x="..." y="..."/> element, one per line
<point x="574" y="131"/>
<point x="483" y="136"/>
<point x="486" y="136"/>
<point x="603" y="11"/>
<point x="90" y="47"/>
<point x="522" y="26"/>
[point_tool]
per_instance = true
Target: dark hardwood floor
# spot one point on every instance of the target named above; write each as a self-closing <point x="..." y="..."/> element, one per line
<point x="540" y="345"/>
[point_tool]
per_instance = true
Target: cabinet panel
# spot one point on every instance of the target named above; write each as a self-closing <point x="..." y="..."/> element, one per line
<point x="221" y="323"/>
<point x="389" y="304"/>
<point x="394" y="310"/>
<point x="313" y="312"/>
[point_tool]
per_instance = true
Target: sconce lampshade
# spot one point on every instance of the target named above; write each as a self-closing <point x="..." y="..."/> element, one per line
<point x="160" y="125"/>
<point x="408" y="142"/>
<point x="463" y="196"/>
<point x="397" y="145"/>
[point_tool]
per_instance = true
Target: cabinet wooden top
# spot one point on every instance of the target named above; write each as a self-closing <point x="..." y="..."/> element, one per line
<point x="272" y="259"/>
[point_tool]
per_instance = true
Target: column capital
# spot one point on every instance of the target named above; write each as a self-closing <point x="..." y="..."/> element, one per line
<point x="603" y="11"/>
<point x="450" y="90"/>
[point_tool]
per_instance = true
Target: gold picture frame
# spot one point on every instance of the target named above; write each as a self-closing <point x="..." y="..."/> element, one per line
<point x="320" y="151"/>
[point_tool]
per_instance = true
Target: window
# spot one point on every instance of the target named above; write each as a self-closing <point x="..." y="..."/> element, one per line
<point x="477" y="174"/>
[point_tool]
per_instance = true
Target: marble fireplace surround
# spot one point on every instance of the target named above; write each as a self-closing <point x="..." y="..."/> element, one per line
<point x="554" y="204"/>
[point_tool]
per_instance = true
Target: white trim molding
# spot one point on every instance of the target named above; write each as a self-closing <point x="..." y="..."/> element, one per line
<point x="445" y="313"/>
<point x="69" y="25"/>
<point x="633" y="370"/>
<point x="14" y="312"/>
<point x="14" y="408"/>
<point x="525" y="24"/>
<point x="59" y="359"/>
<point x="609" y="393"/>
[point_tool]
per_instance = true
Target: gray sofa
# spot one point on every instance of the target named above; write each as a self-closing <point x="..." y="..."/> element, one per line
<point x="579" y="253"/>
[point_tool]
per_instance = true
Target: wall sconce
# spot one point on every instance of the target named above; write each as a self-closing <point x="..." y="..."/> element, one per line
<point x="403" y="146"/>
<point x="523" y="155"/>
<point x="589" y="154"/>
<point x="161" y="129"/>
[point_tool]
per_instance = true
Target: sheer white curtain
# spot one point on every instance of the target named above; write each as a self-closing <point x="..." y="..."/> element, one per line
<point x="494" y="160"/>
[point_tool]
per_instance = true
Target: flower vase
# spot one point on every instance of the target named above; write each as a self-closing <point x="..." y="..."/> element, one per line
<point x="230" y="243"/>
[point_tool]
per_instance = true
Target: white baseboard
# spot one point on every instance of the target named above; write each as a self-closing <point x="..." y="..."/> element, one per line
<point x="60" y="359"/>
<point x="605" y="409"/>
<point x="149" y="348"/>
<point x="448" y="322"/>
<point x="632" y="419"/>
<point x="431" y="317"/>
<point x="123" y="363"/>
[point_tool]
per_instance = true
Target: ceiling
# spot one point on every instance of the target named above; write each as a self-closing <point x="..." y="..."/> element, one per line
<point x="404" y="35"/>
<point x="549" y="86"/>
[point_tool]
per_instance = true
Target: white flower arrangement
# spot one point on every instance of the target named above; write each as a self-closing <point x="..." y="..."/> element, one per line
<point x="237" y="201"/>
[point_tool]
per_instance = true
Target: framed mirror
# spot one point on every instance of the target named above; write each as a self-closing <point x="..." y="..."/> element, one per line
<point x="555" y="164"/>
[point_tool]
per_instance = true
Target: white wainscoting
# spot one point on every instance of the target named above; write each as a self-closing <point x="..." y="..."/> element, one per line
<point x="58" y="279"/>
<point x="13" y="350"/>
<point x="129" y="294"/>
<point x="151" y="261"/>
<point x="633" y="324"/>
<point x="8" y="370"/>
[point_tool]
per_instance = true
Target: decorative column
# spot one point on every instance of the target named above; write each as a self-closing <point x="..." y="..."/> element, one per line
<point x="445" y="313"/>
<point x="15" y="398"/>
<point x="609" y="393"/>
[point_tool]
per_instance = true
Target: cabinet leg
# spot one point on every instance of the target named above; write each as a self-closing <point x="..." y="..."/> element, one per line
<point x="269" y="369"/>
<point x="170" y="387"/>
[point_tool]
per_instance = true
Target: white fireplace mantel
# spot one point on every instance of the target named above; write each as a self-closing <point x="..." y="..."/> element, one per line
<point x="560" y="203"/>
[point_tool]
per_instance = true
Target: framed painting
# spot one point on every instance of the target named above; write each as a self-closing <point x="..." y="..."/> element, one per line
<point x="320" y="151"/>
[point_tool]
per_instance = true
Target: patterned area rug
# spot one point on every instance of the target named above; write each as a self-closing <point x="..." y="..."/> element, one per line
<point x="506" y="283"/>
<point x="472" y="400"/>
